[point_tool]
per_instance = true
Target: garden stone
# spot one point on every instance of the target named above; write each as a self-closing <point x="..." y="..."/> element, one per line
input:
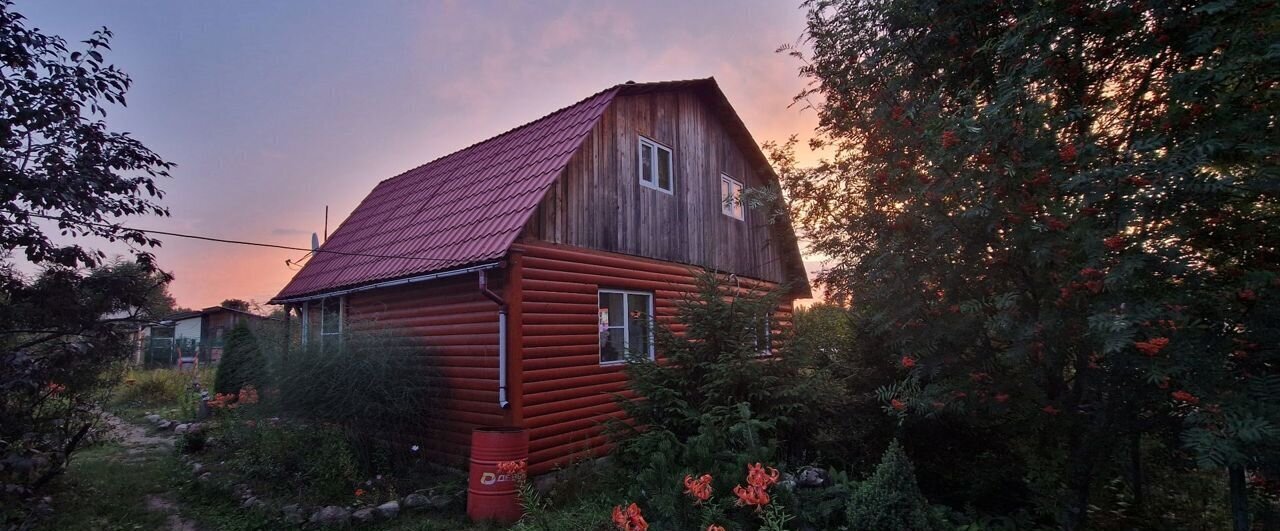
<point x="811" y="477"/>
<point x="153" y="418"/>
<point x="253" y="502"/>
<point x="332" y="516"/>
<point x="439" y="501"/>
<point x="241" y="490"/>
<point x="163" y="425"/>
<point x="389" y="510"/>
<point x="206" y="477"/>
<point x="416" y="501"/>
<point x="364" y="516"/>
<point x="197" y="469"/>
<point x="182" y="428"/>
<point x="292" y="514"/>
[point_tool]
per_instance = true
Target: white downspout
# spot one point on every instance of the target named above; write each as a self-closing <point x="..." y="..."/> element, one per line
<point x="502" y="337"/>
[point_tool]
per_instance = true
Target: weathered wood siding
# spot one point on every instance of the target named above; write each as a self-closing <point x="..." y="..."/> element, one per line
<point x="598" y="202"/>
<point x="567" y="395"/>
<point x="459" y="328"/>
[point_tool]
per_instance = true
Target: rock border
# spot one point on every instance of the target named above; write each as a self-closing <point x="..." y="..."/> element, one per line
<point x="423" y="500"/>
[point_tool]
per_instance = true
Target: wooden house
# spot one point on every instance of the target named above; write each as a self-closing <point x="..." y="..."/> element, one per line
<point x="190" y="337"/>
<point x="530" y="261"/>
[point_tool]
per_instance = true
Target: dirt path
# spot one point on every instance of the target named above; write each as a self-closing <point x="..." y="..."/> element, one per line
<point x="137" y="446"/>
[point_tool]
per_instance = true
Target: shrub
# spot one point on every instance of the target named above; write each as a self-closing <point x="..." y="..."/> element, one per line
<point x="242" y="364"/>
<point x="374" y="385"/>
<point x="192" y="442"/>
<point x="890" y="500"/>
<point x="293" y="458"/>
<point x="158" y="387"/>
<point x="57" y="364"/>
<point x="715" y="404"/>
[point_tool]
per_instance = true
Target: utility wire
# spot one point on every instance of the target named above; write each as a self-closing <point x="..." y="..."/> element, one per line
<point x="236" y="242"/>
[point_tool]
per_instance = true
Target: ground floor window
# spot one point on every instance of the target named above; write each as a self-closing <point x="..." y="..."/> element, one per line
<point x="764" y="337"/>
<point x="626" y="324"/>
<point x="330" y="318"/>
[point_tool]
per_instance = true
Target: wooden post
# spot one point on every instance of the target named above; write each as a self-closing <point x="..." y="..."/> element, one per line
<point x="288" y="329"/>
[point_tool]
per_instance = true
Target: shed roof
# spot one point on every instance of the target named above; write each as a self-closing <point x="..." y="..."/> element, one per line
<point x="468" y="207"/>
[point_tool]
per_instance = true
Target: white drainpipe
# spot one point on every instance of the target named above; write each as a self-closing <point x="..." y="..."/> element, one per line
<point x="502" y="337"/>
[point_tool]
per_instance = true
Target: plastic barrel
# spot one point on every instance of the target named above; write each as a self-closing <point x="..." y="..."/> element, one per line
<point x="491" y="495"/>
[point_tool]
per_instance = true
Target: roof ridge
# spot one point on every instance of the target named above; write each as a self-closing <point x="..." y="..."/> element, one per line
<point x="504" y="133"/>
<point x="614" y="87"/>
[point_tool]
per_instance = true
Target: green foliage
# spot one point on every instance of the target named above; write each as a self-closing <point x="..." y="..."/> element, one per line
<point x="845" y="366"/>
<point x="890" y="500"/>
<point x="243" y="363"/>
<point x="59" y="159"/>
<point x="713" y="405"/>
<point x="825" y="507"/>
<point x="314" y="461"/>
<point x="373" y="383"/>
<point x="57" y="362"/>
<point x="1063" y="213"/>
<point x="160" y="387"/>
<point x="192" y="442"/>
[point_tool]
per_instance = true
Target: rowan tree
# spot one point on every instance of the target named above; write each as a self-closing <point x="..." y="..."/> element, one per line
<point x="1060" y="217"/>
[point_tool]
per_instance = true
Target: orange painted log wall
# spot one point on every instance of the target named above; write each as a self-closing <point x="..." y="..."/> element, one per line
<point x="558" y="389"/>
<point x="459" y="326"/>
<point x="568" y="395"/>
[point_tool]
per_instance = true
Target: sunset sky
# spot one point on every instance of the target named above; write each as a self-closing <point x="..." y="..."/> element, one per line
<point x="273" y="110"/>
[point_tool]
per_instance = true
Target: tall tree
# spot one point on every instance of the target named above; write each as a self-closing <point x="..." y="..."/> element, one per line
<point x="63" y="330"/>
<point x="235" y="304"/>
<point x="1061" y="215"/>
<point x="58" y="159"/>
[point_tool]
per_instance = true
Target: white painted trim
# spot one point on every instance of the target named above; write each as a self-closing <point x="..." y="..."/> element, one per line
<point x="653" y="164"/>
<point x="410" y="280"/>
<point x="626" y="312"/>
<point x="741" y="208"/>
<point x="305" y="315"/>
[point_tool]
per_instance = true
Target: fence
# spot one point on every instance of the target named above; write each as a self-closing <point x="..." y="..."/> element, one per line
<point x="170" y="352"/>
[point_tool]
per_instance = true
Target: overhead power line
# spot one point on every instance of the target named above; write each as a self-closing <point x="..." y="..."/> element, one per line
<point x="235" y="242"/>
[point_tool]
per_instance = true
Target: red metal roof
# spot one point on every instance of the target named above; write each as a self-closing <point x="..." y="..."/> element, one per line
<point x="468" y="207"/>
<point x="461" y="209"/>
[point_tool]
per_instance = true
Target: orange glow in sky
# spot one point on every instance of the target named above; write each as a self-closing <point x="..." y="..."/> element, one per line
<point x="272" y="110"/>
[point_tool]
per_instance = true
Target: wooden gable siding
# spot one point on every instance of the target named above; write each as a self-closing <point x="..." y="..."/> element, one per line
<point x="459" y="327"/>
<point x="598" y="202"/>
<point x="568" y="397"/>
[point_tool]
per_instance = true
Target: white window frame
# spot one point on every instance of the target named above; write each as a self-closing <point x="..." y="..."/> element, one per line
<point x="734" y="209"/>
<point x="767" y="336"/>
<point x="304" y="316"/>
<point x="653" y="164"/>
<point x="626" y="323"/>
<point x="342" y="317"/>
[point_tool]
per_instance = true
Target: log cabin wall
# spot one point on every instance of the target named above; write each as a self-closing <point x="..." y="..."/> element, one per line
<point x="598" y="202"/>
<point x="568" y="396"/>
<point x="459" y="328"/>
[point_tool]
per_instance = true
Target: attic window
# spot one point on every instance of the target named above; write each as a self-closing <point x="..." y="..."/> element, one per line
<point x="655" y="166"/>
<point x="731" y="197"/>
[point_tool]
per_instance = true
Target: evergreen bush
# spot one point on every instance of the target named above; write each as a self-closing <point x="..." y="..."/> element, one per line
<point x="890" y="500"/>
<point x="716" y="403"/>
<point x="242" y="364"/>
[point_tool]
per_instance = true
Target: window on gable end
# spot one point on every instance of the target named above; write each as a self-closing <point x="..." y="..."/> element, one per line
<point x="656" y="166"/>
<point x="731" y="197"/>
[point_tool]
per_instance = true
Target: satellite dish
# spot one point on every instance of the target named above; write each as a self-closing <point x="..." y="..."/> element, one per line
<point x="315" y="242"/>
